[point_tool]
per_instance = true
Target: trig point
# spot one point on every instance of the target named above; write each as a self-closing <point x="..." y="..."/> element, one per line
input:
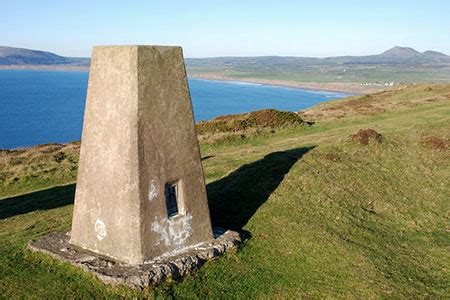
<point x="140" y="194"/>
<point x="140" y="189"/>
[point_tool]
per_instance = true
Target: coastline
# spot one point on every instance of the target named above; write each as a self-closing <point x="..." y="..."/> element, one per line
<point x="338" y="87"/>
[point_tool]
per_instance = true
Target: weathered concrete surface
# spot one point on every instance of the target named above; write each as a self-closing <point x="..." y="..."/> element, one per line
<point x="138" y="135"/>
<point x="150" y="273"/>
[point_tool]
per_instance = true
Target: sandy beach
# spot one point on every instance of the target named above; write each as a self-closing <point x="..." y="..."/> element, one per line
<point x="352" y="88"/>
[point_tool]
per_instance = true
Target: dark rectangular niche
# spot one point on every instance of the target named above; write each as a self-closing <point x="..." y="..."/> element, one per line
<point x="171" y="191"/>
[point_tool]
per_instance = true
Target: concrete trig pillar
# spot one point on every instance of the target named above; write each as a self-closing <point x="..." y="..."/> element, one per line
<point x="140" y="189"/>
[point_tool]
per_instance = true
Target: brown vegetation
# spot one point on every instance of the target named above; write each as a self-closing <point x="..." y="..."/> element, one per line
<point x="435" y="142"/>
<point x="267" y="118"/>
<point x="366" y="136"/>
<point x="238" y="127"/>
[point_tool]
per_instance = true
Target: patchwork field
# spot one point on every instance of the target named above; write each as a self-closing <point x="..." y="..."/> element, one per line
<point x="328" y="207"/>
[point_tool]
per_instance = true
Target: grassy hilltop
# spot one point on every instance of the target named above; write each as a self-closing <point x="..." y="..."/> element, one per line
<point x="331" y="208"/>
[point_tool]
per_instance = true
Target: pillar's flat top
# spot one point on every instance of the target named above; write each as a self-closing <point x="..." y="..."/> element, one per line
<point x="158" y="47"/>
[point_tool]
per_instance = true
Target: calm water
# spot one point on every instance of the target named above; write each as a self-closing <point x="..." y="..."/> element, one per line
<point x="39" y="107"/>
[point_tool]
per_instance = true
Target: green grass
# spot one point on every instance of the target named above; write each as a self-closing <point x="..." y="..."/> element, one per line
<point x="326" y="74"/>
<point x="325" y="217"/>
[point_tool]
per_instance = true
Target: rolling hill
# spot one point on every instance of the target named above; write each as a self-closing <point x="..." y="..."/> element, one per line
<point x="327" y="213"/>
<point x="395" y="56"/>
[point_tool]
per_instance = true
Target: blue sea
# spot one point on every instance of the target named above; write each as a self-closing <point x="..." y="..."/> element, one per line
<point x="38" y="107"/>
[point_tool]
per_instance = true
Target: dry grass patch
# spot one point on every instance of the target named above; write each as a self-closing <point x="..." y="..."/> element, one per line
<point x="51" y="163"/>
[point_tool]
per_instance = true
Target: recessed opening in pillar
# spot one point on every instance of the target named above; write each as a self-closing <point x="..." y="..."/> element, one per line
<point x="172" y="191"/>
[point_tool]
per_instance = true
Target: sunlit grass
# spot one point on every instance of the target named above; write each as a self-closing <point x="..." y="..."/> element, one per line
<point x="326" y="217"/>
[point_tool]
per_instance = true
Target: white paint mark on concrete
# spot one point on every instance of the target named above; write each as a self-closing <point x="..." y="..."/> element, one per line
<point x="100" y="229"/>
<point x="174" y="231"/>
<point x="162" y="257"/>
<point x="153" y="191"/>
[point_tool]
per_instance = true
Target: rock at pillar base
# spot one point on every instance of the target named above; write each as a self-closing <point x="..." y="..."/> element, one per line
<point x="151" y="273"/>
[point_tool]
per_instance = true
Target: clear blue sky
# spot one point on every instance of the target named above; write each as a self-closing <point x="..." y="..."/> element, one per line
<point x="223" y="28"/>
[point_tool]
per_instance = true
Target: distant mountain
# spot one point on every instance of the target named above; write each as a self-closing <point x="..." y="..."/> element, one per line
<point x="436" y="57"/>
<point x="400" y="52"/>
<point x="10" y="56"/>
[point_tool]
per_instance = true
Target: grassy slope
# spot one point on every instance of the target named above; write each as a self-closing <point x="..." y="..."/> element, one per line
<point x="328" y="217"/>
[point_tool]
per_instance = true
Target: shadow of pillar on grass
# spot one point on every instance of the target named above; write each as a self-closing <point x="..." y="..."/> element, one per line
<point x="234" y="199"/>
<point x="41" y="200"/>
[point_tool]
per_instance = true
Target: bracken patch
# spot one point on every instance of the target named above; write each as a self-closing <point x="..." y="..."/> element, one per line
<point x="435" y="142"/>
<point x="267" y="119"/>
<point x="366" y="136"/>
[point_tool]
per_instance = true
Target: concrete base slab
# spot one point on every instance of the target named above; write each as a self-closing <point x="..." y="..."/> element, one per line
<point x="175" y="264"/>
